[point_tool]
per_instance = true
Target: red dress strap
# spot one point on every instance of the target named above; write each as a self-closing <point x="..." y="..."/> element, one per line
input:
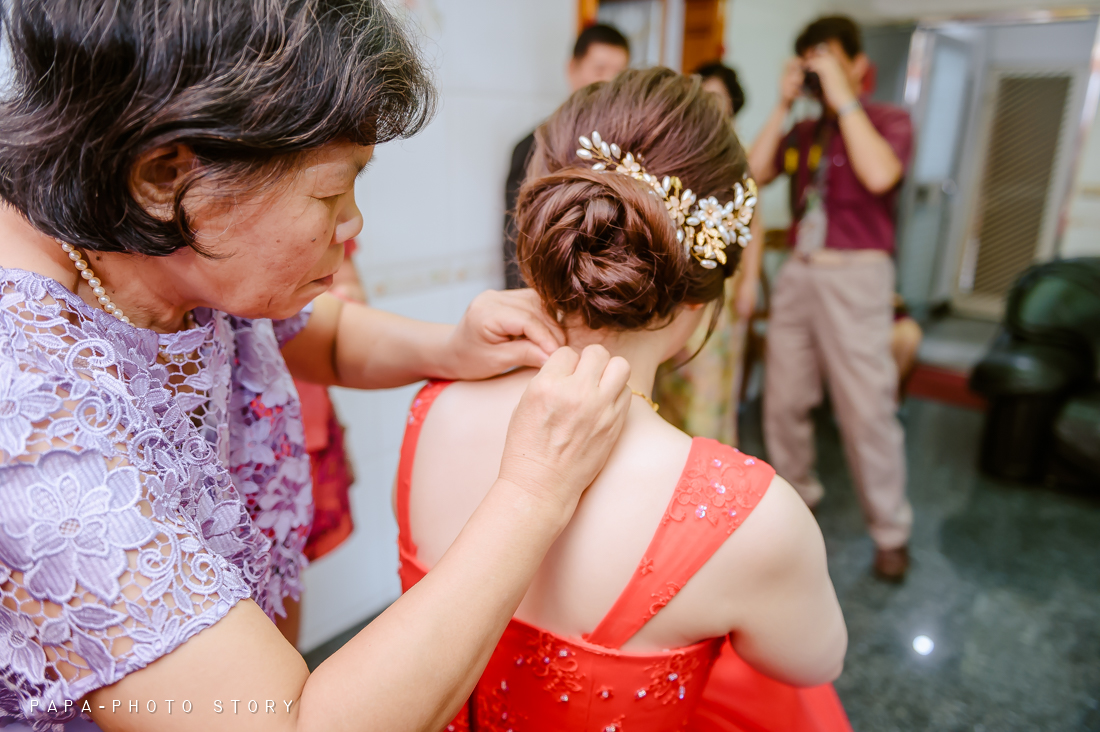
<point x="417" y="412"/>
<point x="408" y="568"/>
<point x="719" y="488"/>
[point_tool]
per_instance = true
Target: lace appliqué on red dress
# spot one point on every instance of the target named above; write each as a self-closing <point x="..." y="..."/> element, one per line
<point x="615" y="725"/>
<point x="718" y="490"/>
<point x="671" y="677"/>
<point x="494" y="714"/>
<point x="662" y="598"/>
<point x="557" y="664"/>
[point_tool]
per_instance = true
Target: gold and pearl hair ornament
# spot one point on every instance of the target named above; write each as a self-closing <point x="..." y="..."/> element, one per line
<point x="704" y="226"/>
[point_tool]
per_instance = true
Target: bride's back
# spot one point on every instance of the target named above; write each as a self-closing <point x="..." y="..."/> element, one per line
<point x="458" y="456"/>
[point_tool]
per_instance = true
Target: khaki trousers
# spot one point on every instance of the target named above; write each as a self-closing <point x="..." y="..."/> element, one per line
<point x="831" y="320"/>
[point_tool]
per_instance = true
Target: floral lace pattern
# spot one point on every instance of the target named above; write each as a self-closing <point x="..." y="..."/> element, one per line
<point x="147" y="484"/>
<point x="556" y="663"/>
<point x="709" y="492"/>
<point x="494" y="713"/>
<point x="662" y="597"/>
<point x="671" y="677"/>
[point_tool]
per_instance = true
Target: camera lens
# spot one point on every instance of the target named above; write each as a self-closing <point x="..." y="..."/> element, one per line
<point x="811" y="84"/>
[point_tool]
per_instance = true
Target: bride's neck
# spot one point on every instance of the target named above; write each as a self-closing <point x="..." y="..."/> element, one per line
<point x="643" y="350"/>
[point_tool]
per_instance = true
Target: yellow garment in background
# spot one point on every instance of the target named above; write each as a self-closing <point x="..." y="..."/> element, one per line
<point x="700" y="397"/>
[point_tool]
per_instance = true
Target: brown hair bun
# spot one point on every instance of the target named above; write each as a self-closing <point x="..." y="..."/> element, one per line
<point x="602" y="249"/>
<point x="600" y="245"/>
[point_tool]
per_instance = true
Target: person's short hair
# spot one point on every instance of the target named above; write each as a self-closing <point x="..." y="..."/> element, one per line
<point x="248" y="86"/>
<point x="838" y="28"/>
<point x="600" y="246"/>
<point x="599" y="33"/>
<point x="728" y="77"/>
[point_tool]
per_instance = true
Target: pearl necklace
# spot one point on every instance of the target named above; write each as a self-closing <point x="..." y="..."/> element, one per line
<point x="104" y="300"/>
<point x="93" y="282"/>
<point x="648" y="401"/>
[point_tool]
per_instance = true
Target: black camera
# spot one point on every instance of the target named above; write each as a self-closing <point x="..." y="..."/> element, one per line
<point x="811" y="84"/>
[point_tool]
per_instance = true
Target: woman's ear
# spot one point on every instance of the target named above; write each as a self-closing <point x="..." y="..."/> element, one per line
<point x="157" y="176"/>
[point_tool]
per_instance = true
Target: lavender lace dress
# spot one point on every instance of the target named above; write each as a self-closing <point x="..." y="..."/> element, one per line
<point x="147" y="484"/>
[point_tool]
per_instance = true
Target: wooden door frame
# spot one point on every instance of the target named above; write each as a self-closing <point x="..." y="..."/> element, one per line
<point x="588" y="12"/>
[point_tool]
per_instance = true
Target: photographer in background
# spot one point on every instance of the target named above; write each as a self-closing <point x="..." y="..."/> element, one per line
<point x="832" y="308"/>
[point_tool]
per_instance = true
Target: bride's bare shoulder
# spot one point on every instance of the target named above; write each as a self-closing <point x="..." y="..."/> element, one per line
<point x="778" y="543"/>
<point x="476" y="404"/>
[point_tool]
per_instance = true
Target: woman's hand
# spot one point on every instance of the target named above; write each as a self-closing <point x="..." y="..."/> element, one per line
<point x="790" y="82"/>
<point x="835" y="87"/>
<point x="500" y="331"/>
<point x="566" y="424"/>
<point x="359" y="347"/>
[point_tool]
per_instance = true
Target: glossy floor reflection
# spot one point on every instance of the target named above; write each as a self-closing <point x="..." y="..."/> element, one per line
<point x="1005" y="583"/>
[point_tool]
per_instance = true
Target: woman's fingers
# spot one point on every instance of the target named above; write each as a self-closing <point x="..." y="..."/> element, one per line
<point x="566" y="423"/>
<point x="562" y="363"/>
<point x="536" y="332"/>
<point x="483" y="343"/>
<point x="593" y="362"/>
<point x="615" y="377"/>
<point x="518" y="314"/>
<point x="530" y="300"/>
<point x="523" y="353"/>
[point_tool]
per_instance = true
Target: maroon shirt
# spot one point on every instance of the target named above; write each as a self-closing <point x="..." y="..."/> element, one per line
<point x="857" y="218"/>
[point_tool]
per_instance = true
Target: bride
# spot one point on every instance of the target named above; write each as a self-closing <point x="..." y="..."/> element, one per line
<point x="680" y="542"/>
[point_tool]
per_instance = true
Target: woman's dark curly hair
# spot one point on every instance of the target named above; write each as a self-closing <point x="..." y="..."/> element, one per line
<point x="247" y="85"/>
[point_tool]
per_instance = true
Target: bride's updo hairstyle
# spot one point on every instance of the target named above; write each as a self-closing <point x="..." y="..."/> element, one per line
<point x="600" y="247"/>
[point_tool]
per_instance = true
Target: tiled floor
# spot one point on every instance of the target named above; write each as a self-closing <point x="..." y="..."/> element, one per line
<point x="1005" y="581"/>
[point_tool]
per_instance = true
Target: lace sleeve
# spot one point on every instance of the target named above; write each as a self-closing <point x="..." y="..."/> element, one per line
<point x="100" y="574"/>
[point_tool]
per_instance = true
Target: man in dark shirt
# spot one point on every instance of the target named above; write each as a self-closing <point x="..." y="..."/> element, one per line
<point x="832" y="305"/>
<point x="599" y="54"/>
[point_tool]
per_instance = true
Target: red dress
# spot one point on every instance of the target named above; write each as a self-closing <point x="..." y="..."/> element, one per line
<point x="539" y="681"/>
<point x="330" y="469"/>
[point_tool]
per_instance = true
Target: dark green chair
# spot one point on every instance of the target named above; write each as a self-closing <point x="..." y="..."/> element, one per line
<point x="1040" y="377"/>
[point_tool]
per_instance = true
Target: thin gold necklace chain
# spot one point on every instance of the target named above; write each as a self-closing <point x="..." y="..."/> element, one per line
<point x="648" y="401"/>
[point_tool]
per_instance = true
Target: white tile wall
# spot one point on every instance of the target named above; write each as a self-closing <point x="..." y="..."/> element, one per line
<point x="759" y="40"/>
<point x="1082" y="233"/>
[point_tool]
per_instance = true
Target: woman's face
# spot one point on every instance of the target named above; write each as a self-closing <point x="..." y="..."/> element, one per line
<point x="276" y="250"/>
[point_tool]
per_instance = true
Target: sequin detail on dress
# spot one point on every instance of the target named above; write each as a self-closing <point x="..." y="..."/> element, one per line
<point x="707" y="495"/>
<point x="555" y="664"/>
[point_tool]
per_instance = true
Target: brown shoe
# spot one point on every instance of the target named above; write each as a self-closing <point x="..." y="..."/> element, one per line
<point x="891" y="564"/>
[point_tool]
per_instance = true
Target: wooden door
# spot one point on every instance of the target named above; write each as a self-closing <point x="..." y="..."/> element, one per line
<point x="704" y="27"/>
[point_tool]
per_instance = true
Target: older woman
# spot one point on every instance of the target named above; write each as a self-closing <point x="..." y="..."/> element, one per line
<point x="177" y="180"/>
